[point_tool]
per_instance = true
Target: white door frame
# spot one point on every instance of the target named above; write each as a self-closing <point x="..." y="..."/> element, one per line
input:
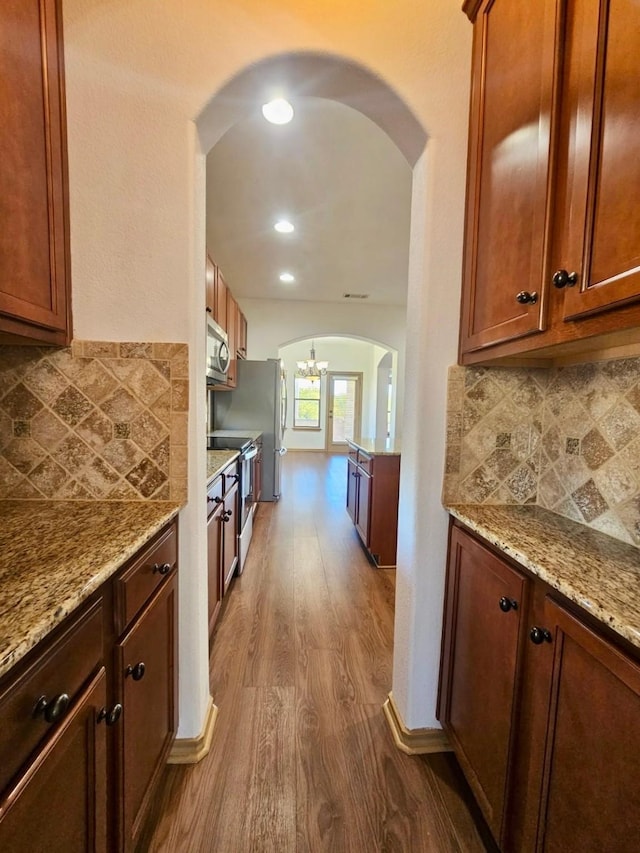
<point x="330" y="446"/>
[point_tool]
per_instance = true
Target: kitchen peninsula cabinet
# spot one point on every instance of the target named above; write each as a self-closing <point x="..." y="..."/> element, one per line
<point x="373" y="483"/>
<point x="35" y="294"/>
<point x="87" y="717"/>
<point x="551" y="263"/>
<point x="541" y="703"/>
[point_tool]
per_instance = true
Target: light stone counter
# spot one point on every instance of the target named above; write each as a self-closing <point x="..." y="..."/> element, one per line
<point x="597" y="572"/>
<point x="217" y="460"/>
<point x="377" y="446"/>
<point x="54" y="554"/>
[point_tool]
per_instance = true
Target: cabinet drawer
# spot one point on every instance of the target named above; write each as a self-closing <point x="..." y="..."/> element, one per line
<point x="230" y="476"/>
<point x="214" y="495"/>
<point x="61" y="669"/>
<point x="135" y="585"/>
<point x="365" y="462"/>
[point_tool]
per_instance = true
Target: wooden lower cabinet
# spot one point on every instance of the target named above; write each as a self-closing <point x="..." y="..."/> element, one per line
<point x="146" y="659"/>
<point x="59" y="803"/>
<point x="88" y="716"/>
<point x="223" y="508"/>
<point x="542" y="707"/>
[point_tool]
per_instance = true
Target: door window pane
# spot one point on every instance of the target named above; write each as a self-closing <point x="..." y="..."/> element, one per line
<point x="344" y="409"/>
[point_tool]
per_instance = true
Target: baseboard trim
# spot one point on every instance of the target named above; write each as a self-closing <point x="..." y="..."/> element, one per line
<point x="190" y="750"/>
<point x="413" y="741"/>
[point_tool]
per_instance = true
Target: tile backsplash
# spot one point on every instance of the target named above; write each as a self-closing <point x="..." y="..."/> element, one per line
<point x="99" y="420"/>
<point x="567" y="439"/>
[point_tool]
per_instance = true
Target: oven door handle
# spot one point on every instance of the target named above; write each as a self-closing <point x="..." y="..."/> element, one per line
<point x="250" y="453"/>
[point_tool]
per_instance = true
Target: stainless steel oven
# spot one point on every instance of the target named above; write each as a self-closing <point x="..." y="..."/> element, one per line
<point x="248" y="449"/>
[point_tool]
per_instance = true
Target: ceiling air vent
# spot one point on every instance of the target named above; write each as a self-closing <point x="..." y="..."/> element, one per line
<point x="355" y="295"/>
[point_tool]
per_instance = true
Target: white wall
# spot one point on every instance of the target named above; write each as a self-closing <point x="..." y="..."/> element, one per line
<point x="348" y="355"/>
<point x="137" y="81"/>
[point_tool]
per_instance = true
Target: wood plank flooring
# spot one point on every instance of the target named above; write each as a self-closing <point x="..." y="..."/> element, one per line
<point x="302" y="759"/>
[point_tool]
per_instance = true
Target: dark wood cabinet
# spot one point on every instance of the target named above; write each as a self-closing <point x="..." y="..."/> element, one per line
<point x="220" y="314"/>
<point x="373" y="485"/>
<point x="222" y="536"/>
<point x="59" y="802"/>
<point x="257" y="476"/>
<point x="552" y="261"/>
<point x="35" y="293"/>
<point x="510" y="147"/>
<point x="210" y="282"/>
<point x="146" y="660"/>
<point x="87" y="718"/>
<point x="485" y="599"/>
<point x="542" y="706"/>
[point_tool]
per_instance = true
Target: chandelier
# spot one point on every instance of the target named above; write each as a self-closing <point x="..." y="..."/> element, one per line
<point x="312" y="369"/>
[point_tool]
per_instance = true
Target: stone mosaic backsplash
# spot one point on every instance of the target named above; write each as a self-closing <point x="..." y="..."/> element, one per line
<point x="566" y="439"/>
<point x="95" y="421"/>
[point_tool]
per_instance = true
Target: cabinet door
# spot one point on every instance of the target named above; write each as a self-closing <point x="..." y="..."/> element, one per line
<point x="220" y="312"/>
<point x="242" y="334"/>
<point x="34" y="264"/>
<point x="599" y="215"/>
<point x="509" y="174"/>
<point x="214" y="557"/>
<point x="146" y="682"/>
<point x="210" y="287"/>
<point x="232" y="331"/>
<point x="257" y="477"/>
<point x="363" y="505"/>
<point x="229" y="537"/>
<point x="352" y="490"/>
<point x="593" y="743"/>
<point x="482" y="644"/>
<point x="59" y="803"/>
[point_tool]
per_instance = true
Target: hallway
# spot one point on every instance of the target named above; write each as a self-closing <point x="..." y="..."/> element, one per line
<point x="302" y="760"/>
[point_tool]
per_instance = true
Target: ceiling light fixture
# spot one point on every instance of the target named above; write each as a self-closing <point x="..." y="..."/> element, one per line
<point x="278" y="111"/>
<point x="283" y="226"/>
<point x="311" y="369"/>
<point x="287" y="278"/>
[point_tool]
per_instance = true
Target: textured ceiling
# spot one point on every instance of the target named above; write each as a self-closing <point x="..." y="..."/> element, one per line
<point x="343" y="183"/>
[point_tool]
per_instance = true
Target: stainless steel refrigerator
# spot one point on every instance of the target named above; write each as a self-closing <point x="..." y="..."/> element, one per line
<point x="258" y="403"/>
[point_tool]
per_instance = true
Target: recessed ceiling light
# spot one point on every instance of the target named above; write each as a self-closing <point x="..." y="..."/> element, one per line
<point x="278" y="111"/>
<point x="287" y="278"/>
<point x="283" y="226"/>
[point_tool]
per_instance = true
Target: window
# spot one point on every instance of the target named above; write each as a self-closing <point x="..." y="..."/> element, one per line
<point x="306" y="408"/>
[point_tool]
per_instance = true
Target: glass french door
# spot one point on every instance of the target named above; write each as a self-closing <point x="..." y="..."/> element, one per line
<point x="344" y="410"/>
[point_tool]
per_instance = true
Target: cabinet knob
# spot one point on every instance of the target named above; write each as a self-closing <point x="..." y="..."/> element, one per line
<point x="216" y="500"/>
<point x="562" y="278"/>
<point x="52" y="709"/>
<point x="526" y="298"/>
<point x="539" y="635"/>
<point x="162" y="568"/>
<point x="507" y="604"/>
<point x="226" y="515"/>
<point x="208" y="310"/>
<point x="136" y="672"/>
<point x="110" y="717"/>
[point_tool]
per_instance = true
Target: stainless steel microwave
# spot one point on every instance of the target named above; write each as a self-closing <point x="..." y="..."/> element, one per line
<point x="217" y="353"/>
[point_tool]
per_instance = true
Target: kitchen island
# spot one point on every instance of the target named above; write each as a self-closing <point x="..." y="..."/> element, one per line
<point x="373" y="481"/>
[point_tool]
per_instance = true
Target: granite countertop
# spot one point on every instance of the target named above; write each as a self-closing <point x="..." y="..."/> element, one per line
<point x="217" y="460"/>
<point x="54" y="554"/>
<point x="377" y="446"/>
<point x="592" y="569"/>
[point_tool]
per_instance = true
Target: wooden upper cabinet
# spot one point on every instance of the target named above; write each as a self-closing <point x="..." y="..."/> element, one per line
<point x="211" y="274"/>
<point x="552" y="254"/>
<point x="221" y="300"/>
<point x="510" y="158"/>
<point x="232" y="331"/>
<point x="598" y="215"/>
<point x="242" y="335"/>
<point x="35" y="296"/>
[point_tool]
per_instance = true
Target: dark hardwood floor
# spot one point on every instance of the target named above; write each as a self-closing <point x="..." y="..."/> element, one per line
<point x="302" y="760"/>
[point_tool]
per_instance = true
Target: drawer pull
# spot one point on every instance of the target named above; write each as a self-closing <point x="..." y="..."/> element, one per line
<point x="110" y="717"/>
<point x="162" y="568"/>
<point x="539" y="635"/>
<point x="215" y="500"/>
<point x="507" y="604"/>
<point x="54" y="709"/>
<point x="136" y="672"/>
